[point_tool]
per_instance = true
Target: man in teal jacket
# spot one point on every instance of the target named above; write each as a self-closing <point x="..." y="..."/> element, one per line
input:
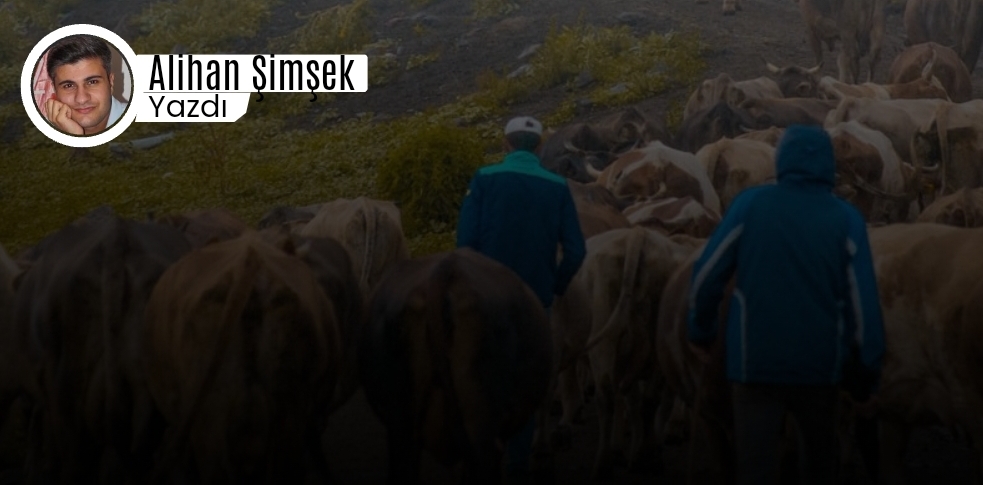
<point x="805" y="299"/>
<point x="517" y="212"/>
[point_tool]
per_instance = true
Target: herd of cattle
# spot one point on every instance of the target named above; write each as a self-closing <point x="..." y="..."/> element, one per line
<point x="195" y="349"/>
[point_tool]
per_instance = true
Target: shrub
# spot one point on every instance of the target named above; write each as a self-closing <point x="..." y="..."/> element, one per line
<point x="427" y="173"/>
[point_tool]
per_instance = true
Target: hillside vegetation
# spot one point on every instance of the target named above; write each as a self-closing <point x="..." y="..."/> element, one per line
<point x="288" y="151"/>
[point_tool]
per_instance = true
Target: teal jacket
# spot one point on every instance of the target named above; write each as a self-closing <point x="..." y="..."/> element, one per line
<point x="516" y="212"/>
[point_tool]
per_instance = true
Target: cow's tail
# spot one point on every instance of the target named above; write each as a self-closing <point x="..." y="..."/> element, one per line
<point x="439" y="314"/>
<point x="942" y="124"/>
<point x="371" y="216"/>
<point x="112" y="295"/>
<point x="629" y="275"/>
<point x="235" y="304"/>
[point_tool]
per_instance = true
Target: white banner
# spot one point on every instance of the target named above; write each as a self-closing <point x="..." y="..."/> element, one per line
<point x="190" y="107"/>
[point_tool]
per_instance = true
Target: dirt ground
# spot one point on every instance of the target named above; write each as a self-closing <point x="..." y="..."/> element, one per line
<point x="765" y="30"/>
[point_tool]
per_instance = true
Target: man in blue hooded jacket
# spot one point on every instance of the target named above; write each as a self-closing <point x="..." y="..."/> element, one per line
<point x="517" y="213"/>
<point x="805" y="299"/>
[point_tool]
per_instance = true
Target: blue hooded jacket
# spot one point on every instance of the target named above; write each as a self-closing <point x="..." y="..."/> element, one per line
<point x="805" y="289"/>
<point x="516" y="212"/>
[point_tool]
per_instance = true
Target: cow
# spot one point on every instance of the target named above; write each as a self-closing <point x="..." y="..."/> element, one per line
<point x="723" y="88"/>
<point x="701" y="386"/>
<point x="770" y="136"/>
<point x="858" y="24"/>
<point x="674" y="216"/>
<point x="963" y="208"/>
<point x="953" y="141"/>
<point x="624" y="268"/>
<point x="78" y="329"/>
<point x="784" y="112"/>
<point x="926" y="86"/>
<point x="899" y="119"/>
<point x="371" y="230"/>
<point x="928" y="279"/>
<point x="243" y="352"/>
<point x="455" y="358"/>
<point x="206" y="226"/>
<point x="569" y="150"/>
<point x="656" y="170"/>
<point x="956" y="23"/>
<point x="796" y="81"/>
<point x="597" y="209"/>
<point x="884" y="189"/>
<point x="931" y="59"/>
<point x="293" y="217"/>
<point x="734" y="165"/>
<point x="709" y="125"/>
<point x="332" y="267"/>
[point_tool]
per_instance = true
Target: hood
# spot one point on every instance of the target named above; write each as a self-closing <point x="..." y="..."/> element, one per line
<point x="805" y="157"/>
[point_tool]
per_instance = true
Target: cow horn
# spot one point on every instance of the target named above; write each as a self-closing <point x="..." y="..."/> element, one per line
<point x="927" y="70"/>
<point x="662" y="190"/>
<point x="593" y="172"/>
<point x="815" y="69"/>
<point x="568" y="145"/>
<point x="932" y="168"/>
<point x="773" y="68"/>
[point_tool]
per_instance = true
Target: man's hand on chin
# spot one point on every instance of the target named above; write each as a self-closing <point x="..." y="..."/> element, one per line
<point x="60" y="115"/>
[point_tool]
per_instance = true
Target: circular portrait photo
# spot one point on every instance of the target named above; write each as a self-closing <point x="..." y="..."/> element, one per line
<point x="79" y="84"/>
<point x="82" y="85"/>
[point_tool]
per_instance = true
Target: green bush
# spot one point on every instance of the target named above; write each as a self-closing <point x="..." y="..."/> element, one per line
<point x="427" y="173"/>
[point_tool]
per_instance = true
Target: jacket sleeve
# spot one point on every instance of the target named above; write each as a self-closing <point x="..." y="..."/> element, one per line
<point x="467" y="222"/>
<point x="572" y="242"/>
<point x="864" y="321"/>
<point x="711" y="273"/>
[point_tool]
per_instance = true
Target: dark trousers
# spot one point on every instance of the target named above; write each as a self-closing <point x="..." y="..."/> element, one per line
<point x="759" y="414"/>
<point x="519" y="447"/>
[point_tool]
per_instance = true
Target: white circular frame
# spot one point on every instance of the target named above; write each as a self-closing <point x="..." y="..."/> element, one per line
<point x="34" y="112"/>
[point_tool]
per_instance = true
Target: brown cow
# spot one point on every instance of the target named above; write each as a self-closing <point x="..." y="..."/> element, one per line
<point x="723" y="88"/>
<point x="884" y="189"/>
<point x="957" y="23"/>
<point x="770" y="136"/>
<point x="293" y="217"/>
<point x="206" y="226"/>
<point x="939" y="61"/>
<point x="796" y="81"/>
<point x="932" y="299"/>
<point x="674" y="216"/>
<point x="702" y="387"/>
<point x="954" y="141"/>
<point x="766" y="113"/>
<point x="371" y="230"/>
<point x="858" y="24"/>
<point x="243" y="352"/>
<point x="572" y="148"/>
<point x="624" y="268"/>
<point x="711" y="124"/>
<point x="656" y="170"/>
<point x="734" y="165"/>
<point x="964" y="208"/>
<point x="455" y="359"/>
<point x="332" y="267"/>
<point x="78" y="329"/>
<point x="899" y="119"/>
<point x="597" y="209"/>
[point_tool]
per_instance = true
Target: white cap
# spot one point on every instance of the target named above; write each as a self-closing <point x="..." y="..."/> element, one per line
<point x="524" y="123"/>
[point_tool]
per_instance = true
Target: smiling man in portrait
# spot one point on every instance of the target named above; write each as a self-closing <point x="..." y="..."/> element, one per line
<point x="83" y="103"/>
